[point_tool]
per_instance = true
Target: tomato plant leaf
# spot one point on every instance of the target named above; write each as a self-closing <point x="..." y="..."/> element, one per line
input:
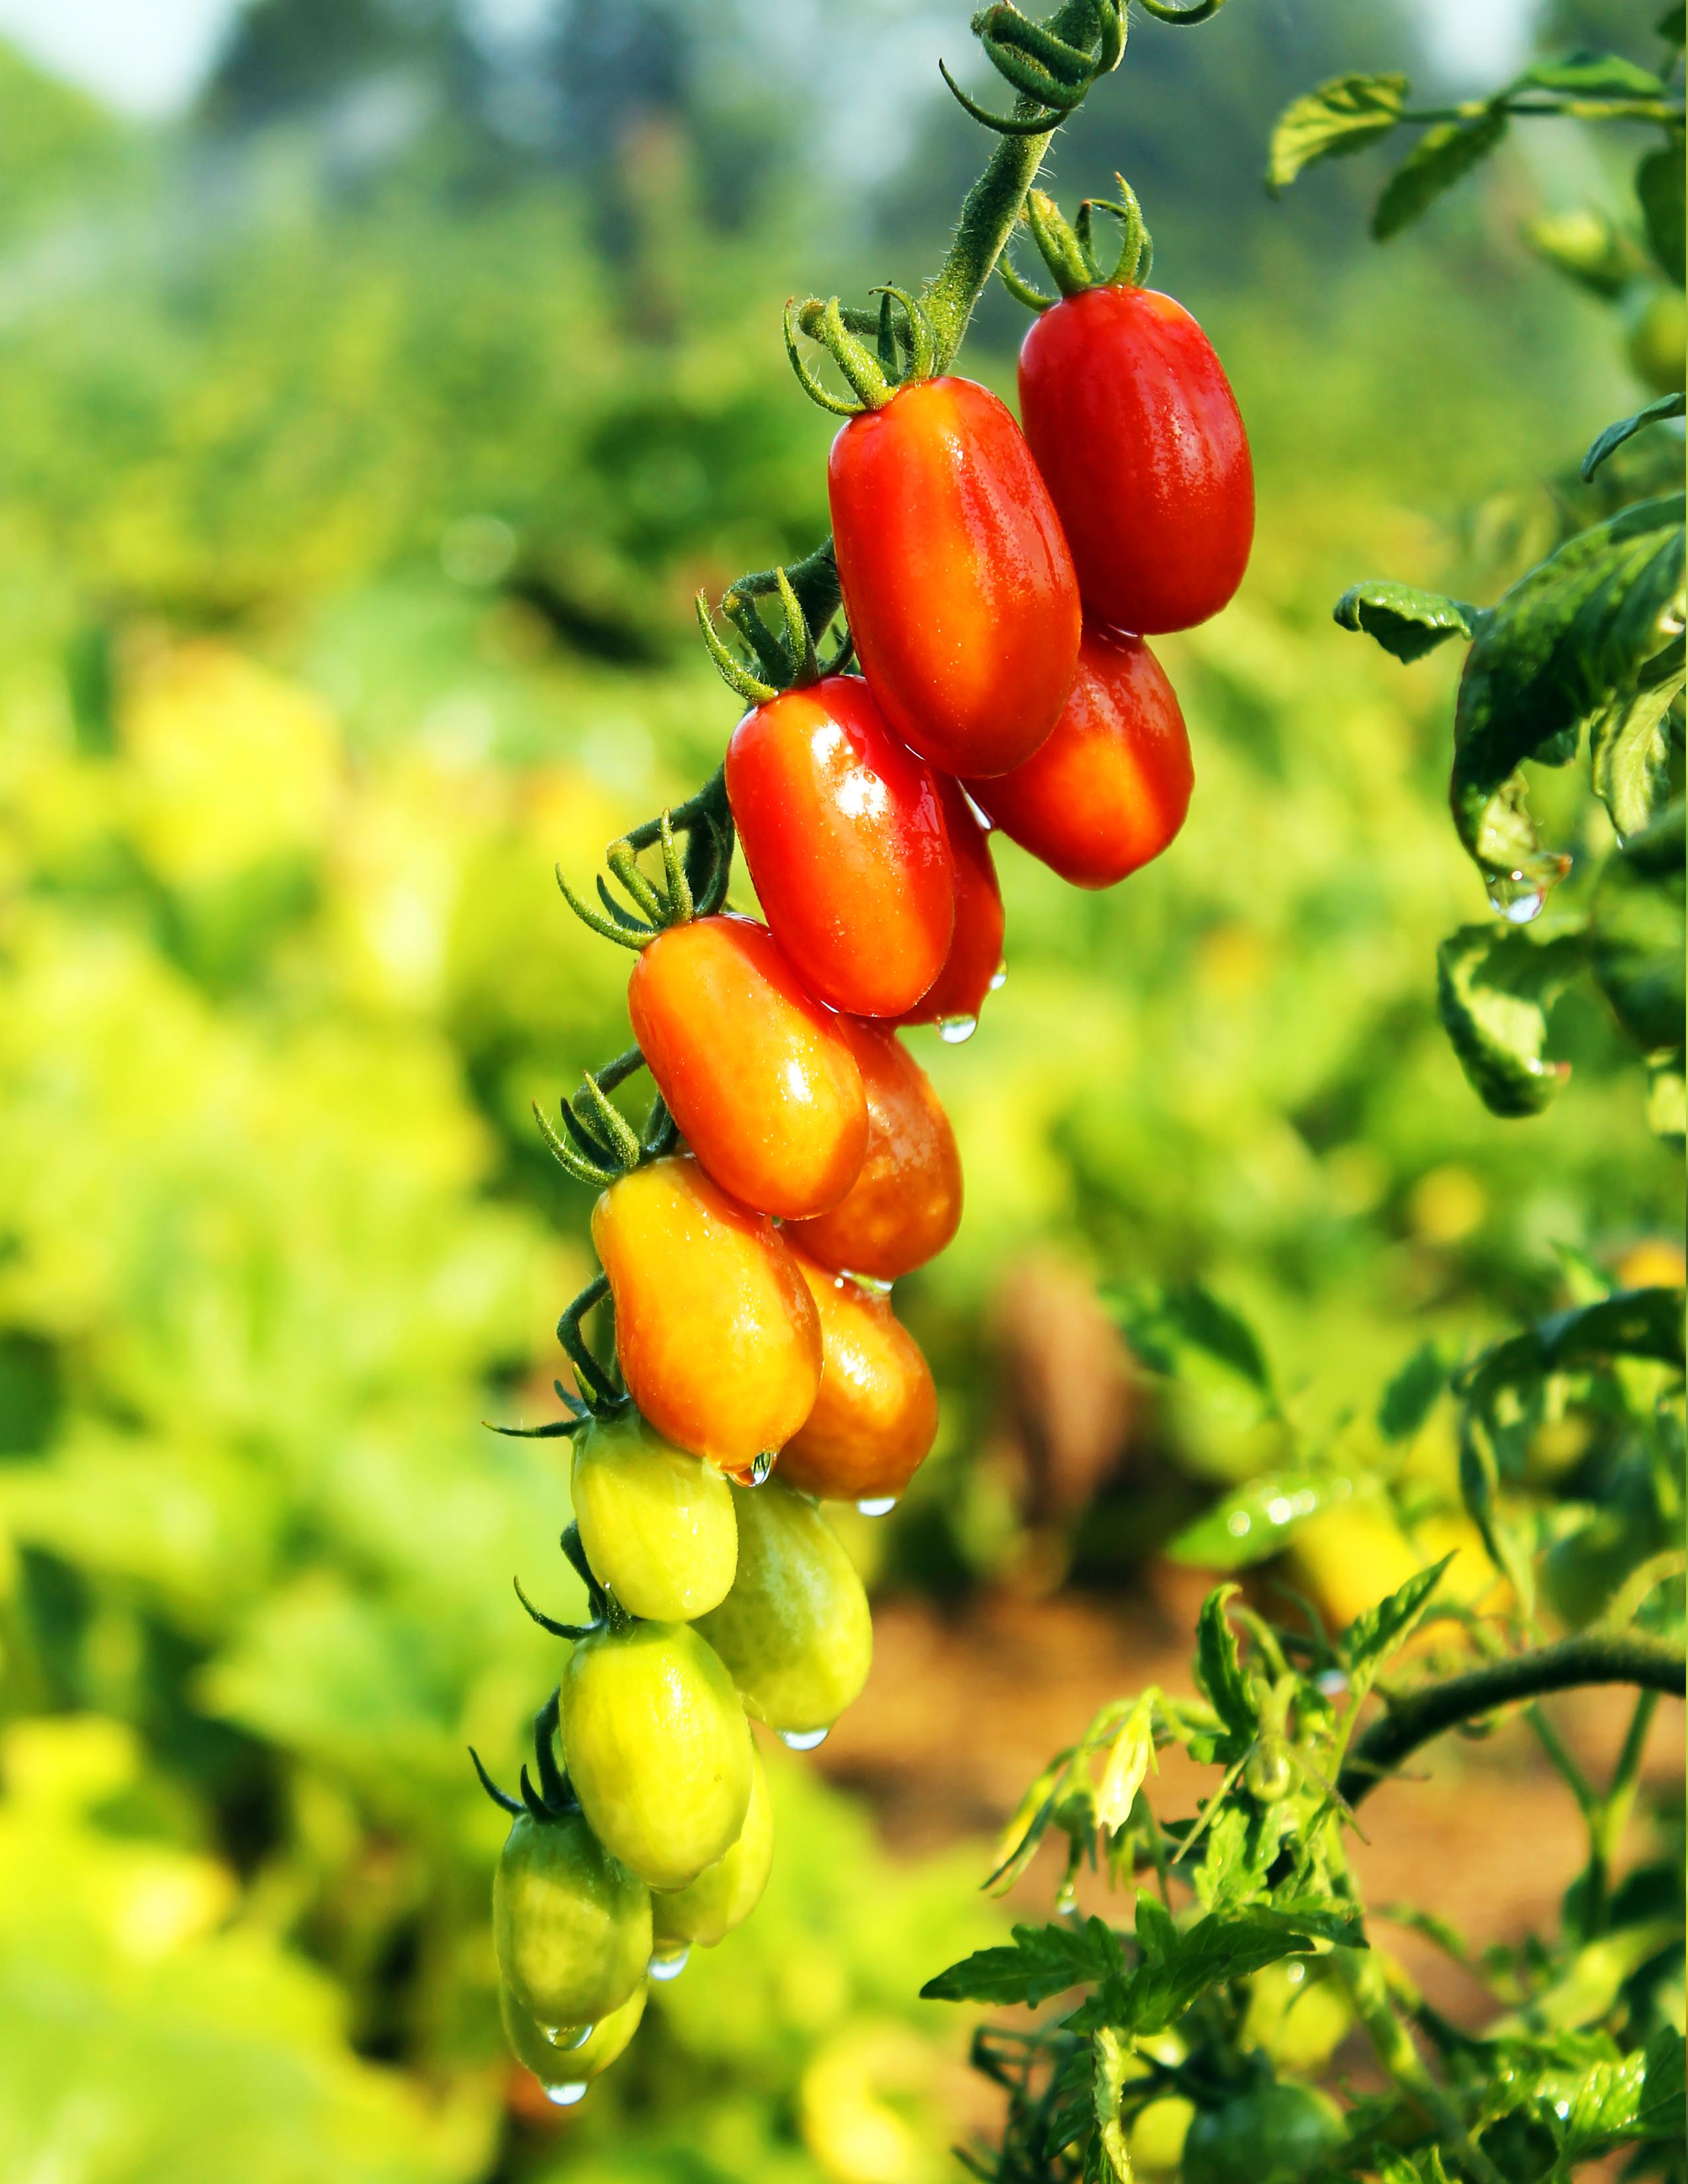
<point x="1403" y="620"/>
<point x="1494" y="988"/>
<point x="1442" y="156"/>
<point x="1410" y="1395"/>
<point x="1659" y="185"/>
<point x="1219" y="1671"/>
<point x="1591" y="76"/>
<point x="1040" y="1961"/>
<point x="1157" y="1933"/>
<point x="1614" y="436"/>
<point x="1673" y="26"/>
<point x="1631" y="2097"/>
<point x="1256" y="1518"/>
<point x="1633" y="746"/>
<point x="1667" y="1098"/>
<point x="1374" y="1633"/>
<point x="1216" y="1949"/>
<point x="1342" y="116"/>
<point x="1630" y="1324"/>
<point x="1637" y="937"/>
<point x="1184" y="1332"/>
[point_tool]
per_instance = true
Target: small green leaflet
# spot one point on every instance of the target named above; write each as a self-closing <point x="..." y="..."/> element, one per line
<point x="1638" y="2097"/>
<point x="1039" y="1962"/>
<point x="1373" y="1636"/>
<point x="1342" y="116"/>
<point x="1185" y="1332"/>
<point x="1591" y="76"/>
<point x="1442" y="156"/>
<point x="1632" y="742"/>
<point x="1668" y="405"/>
<point x="1258" y="1518"/>
<point x="1659" y="185"/>
<point x="1217" y="1948"/>
<point x="1404" y="620"/>
<point x="1218" y="1668"/>
<point x="1494" y="988"/>
<point x="1638" y="935"/>
<point x="1411" y="1397"/>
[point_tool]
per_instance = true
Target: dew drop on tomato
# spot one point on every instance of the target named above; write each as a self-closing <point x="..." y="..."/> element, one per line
<point x="669" y="1964"/>
<point x="879" y="1505"/>
<point x="802" y="1739"/>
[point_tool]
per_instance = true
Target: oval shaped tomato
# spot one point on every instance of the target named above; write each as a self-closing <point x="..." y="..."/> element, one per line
<point x="1138" y="438"/>
<point x="1110" y="789"/>
<point x="765" y="1093"/>
<point x="844" y="834"/>
<point x="571" y="1925"/>
<point x="874" y="1416"/>
<point x="956" y="579"/>
<point x="1277" y="2135"/>
<point x="716" y="1334"/>
<point x="566" y="2062"/>
<point x="658" y="1750"/>
<point x="656" y="1524"/>
<point x="957" y="994"/>
<point x="906" y="1203"/>
<point x="795" y="1631"/>
<point x="725" y="1896"/>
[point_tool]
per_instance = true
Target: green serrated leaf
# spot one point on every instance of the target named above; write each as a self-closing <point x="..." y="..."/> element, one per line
<point x="1637" y="928"/>
<point x="1218" y="1668"/>
<point x="1614" y="436"/>
<point x="1258" y="1518"/>
<point x="1039" y="1962"/>
<point x="1659" y="185"/>
<point x="1403" y="620"/>
<point x="1374" y="1635"/>
<point x="1343" y="115"/>
<point x="1157" y="1934"/>
<point x="1591" y="76"/>
<point x="1217" y="1949"/>
<point x="1442" y="156"/>
<point x="1184" y="1332"/>
<point x="1494" y="988"/>
<point x="1412" y="1394"/>
<point x="1632" y="750"/>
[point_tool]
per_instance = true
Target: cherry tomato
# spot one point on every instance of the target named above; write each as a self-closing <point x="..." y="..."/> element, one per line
<point x="906" y="1203"/>
<point x="957" y="994"/>
<point x="1138" y="434"/>
<point x="571" y="1925"/>
<point x="656" y="1524"/>
<point x="956" y="579"/>
<point x="1298" y="2015"/>
<point x="1277" y="2135"/>
<point x="568" y="2062"/>
<point x="717" y="1336"/>
<point x="765" y="1091"/>
<point x="658" y="1750"/>
<point x="725" y="1895"/>
<point x="874" y="1418"/>
<point x="844" y="834"/>
<point x="1110" y="789"/>
<point x="795" y="1631"/>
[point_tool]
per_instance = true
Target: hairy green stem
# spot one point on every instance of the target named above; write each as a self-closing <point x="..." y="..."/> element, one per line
<point x="1365" y="1975"/>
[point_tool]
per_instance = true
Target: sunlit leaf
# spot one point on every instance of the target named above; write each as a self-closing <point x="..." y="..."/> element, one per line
<point x="1373" y="1636"/>
<point x="1591" y="76"/>
<point x="1342" y="116"/>
<point x="1040" y="1961"/>
<point x="1614" y="436"/>
<point x="1638" y="933"/>
<point x="1494" y="988"/>
<point x="1404" y="620"/>
<point x="1633" y="747"/>
<point x="1218" y="1668"/>
<point x="1258" y="1518"/>
<point x="1442" y="156"/>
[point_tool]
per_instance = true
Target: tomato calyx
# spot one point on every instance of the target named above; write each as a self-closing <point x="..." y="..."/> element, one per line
<point x="1069" y="250"/>
<point x="905" y="348"/>
<point x="1050" y="74"/>
<point x="788" y="658"/>
<point x="554" y="1799"/>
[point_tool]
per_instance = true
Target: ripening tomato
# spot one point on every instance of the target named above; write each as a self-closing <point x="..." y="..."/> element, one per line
<point x="906" y="1203"/>
<point x="844" y="834"/>
<point x="656" y="1524"/>
<point x="571" y="1925"/>
<point x="658" y="1750"/>
<point x="1110" y="789"/>
<point x="877" y="1412"/>
<point x="794" y="1631"/>
<point x="1138" y="437"/>
<point x="1277" y="2135"/>
<point x="765" y="1093"/>
<point x="956" y="579"/>
<point x="957" y="994"/>
<point x="568" y="2063"/>
<point x="725" y="1895"/>
<point x="716" y="1332"/>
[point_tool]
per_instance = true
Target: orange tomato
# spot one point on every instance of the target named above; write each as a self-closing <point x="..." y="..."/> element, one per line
<point x="874" y="1416"/>
<point x="957" y="994"/>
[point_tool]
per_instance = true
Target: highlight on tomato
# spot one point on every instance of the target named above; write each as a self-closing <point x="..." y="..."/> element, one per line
<point x="1110" y="789"/>
<point x="956" y="578"/>
<point x="717" y="1336"/>
<point x="571" y="1925"/>
<point x="656" y="1524"/>
<point x="973" y="965"/>
<point x="906" y="1204"/>
<point x="765" y="1091"/>
<point x="875" y="1417"/>
<point x="843" y="831"/>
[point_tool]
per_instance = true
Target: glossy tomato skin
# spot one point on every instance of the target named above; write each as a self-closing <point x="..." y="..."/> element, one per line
<point x="724" y="1894"/>
<point x="1277" y="2135"/>
<point x="569" y="2060"/>
<point x="906" y="1203"/>
<point x="956" y="579"/>
<point x="1137" y="435"/>
<point x="571" y="1925"/>
<point x="876" y="1416"/>
<point x="716" y="1334"/>
<point x="656" y="1524"/>
<point x="844" y="833"/>
<point x="765" y="1092"/>
<point x="1110" y="789"/>
<point x="957" y="994"/>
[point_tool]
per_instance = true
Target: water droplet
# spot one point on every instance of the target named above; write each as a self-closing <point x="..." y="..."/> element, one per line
<point x="1516" y="898"/>
<point x="955" y="1030"/>
<point x="565" y="2097"/>
<point x="871" y="1283"/>
<point x="754" y="1474"/>
<point x="563" y="2037"/>
<point x="999" y="978"/>
<point x="802" y="1739"/>
<point x="878" y="1505"/>
<point x="669" y="1964"/>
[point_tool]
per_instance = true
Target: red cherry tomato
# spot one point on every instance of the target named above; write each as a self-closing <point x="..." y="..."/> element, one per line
<point x="877" y="1412"/>
<point x="844" y="834"/>
<point x="1137" y="435"/>
<point x="957" y="994"/>
<point x="906" y="1203"/>
<point x="957" y="580"/>
<point x="1110" y="789"/>
<point x="717" y="1334"/>
<point x="759" y="1078"/>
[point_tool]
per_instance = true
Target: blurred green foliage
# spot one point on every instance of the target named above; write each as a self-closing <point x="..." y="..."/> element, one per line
<point x="353" y="503"/>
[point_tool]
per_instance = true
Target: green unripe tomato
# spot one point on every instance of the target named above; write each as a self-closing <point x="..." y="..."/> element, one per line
<point x="1155" y="2140"/>
<point x="1655" y="339"/>
<point x="572" y="1926"/>
<point x="566" y="2066"/>
<point x="1269" y="1773"/>
<point x="657" y="1748"/>
<point x="1298" y="2016"/>
<point x="728" y="1891"/>
<point x="1279" y="2134"/>
<point x="657" y="1524"/>
<point x="795" y="1631"/>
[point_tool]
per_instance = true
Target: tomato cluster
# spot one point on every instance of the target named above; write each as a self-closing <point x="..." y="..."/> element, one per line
<point x="997" y="587"/>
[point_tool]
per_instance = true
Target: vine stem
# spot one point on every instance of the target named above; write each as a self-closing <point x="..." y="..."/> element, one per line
<point x="1591" y="1657"/>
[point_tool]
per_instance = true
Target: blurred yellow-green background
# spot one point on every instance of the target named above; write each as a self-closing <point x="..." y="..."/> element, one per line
<point x="375" y="393"/>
